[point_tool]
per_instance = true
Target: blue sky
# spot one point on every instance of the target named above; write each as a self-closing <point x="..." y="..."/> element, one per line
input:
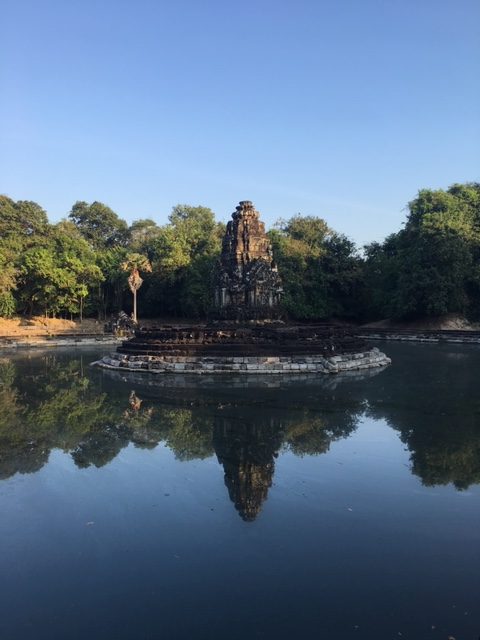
<point x="342" y="108"/>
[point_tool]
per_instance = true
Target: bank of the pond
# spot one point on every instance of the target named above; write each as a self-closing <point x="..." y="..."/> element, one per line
<point x="14" y="342"/>
<point x="38" y="331"/>
<point x="426" y="335"/>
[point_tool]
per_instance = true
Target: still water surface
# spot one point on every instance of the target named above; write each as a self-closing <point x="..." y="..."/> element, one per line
<point x="135" y="507"/>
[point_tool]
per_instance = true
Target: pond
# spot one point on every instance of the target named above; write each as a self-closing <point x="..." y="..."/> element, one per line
<point x="137" y="506"/>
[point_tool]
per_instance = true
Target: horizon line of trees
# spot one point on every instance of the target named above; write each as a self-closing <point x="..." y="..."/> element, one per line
<point x="83" y="265"/>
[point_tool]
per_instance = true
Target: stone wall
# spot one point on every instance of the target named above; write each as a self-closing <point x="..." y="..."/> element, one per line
<point x="224" y="340"/>
<point x="246" y="364"/>
<point x="57" y="341"/>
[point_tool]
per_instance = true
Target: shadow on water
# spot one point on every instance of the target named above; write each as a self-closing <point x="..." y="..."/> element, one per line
<point x="55" y="401"/>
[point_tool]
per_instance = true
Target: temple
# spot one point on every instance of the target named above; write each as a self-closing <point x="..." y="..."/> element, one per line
<point x="247" y="284"/>
<point x="245" y="332"/>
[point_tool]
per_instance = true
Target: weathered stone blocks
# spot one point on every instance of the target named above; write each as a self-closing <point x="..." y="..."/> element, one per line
<point x="250" y="364"/>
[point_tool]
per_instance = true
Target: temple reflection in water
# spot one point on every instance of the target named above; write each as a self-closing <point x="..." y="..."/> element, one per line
<point x="247" y="453"/>
<point x="55" y="402"/>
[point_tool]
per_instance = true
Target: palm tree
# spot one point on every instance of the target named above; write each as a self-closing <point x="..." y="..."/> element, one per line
<point x="135" y="263"/>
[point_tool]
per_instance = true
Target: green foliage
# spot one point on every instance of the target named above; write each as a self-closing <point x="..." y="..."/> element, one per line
<point x="183" y="254"/>
<point x="8" y="283"/>
<point x="21" y="222"/>
<point x="78" y="266"/>
<point x="7" y="305"/>
<point x="109" y="295"/>
<point x="100" y="225"/>
<point x="141" y="235"/>
<point x="432" y="266"/>
<point x="56" y="276"/>
<point x="23" y="226"/>
<point x="320" y="269"/>
<point x="307" y="233"/>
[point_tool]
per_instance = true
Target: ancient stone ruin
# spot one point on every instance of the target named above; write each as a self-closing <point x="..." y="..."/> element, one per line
<point x="247" y="284"/>
<point x="245" y="333"/>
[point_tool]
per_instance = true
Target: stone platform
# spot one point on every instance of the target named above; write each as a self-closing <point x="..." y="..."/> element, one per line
<point x="250" y="339"/>
<point x="264" y="349"/>
<point x="247" y="364"/>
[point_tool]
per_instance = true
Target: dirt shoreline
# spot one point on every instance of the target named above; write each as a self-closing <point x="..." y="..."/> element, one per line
<point x="449" y="322"/>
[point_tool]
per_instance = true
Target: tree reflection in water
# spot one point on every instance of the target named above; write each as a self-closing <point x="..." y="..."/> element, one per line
<point x="51" y="402"/>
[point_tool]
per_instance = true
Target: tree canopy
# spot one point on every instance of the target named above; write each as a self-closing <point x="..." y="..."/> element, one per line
<point x="431" y="266"/>
<point x="321" y="269"/>
<point x="100" y="225"/>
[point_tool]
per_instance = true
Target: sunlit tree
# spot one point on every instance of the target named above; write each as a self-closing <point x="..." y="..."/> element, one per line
<point x="135" y="263"/>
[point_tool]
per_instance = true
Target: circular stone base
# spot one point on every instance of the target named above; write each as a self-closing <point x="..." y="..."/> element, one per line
<point x="245" y="364"/>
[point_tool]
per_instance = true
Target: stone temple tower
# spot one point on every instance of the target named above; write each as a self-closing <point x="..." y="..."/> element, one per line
<point x="247" y="284"/>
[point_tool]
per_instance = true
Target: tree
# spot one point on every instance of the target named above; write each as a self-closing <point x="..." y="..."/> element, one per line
<point x="58" y="275"/>
<point x="8" y="283"/>
<point x="310" y="232"/>
<point x="432" y="266"/>
<point x="320" y="269"/>
<point x="135" y="263"/>
<point x="21" y="221"/>
<point x="80" y="259"/>
<point x="110" y="292"/>
<point x="183" y="254"/>
<point x="141" y="236"/>
<point x="23" y="225"/>
<point x="98" y="224"/>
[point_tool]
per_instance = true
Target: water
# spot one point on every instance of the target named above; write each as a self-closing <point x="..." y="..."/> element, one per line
<point x="140" y="507"/>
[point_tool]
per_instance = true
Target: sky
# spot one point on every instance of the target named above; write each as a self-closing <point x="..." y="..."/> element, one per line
<point x="342" y="109"/>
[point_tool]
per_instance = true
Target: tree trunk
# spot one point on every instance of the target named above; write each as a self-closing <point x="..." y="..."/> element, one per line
<point x="100" y="301"/>
<point x="135" y="306"/>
